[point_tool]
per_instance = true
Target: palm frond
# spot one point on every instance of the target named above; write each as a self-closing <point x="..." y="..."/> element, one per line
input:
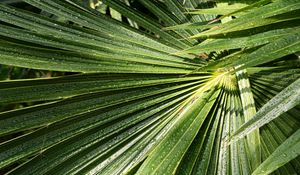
<point x="151" y="87"/>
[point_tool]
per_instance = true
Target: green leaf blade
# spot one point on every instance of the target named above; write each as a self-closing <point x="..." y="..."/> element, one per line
<point x="165" y="158"/>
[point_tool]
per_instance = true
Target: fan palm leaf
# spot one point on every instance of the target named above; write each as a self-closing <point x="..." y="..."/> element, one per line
<point x="168" y="87"/>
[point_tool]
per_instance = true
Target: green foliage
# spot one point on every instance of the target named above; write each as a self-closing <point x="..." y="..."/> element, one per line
<point x="149" y="87"/>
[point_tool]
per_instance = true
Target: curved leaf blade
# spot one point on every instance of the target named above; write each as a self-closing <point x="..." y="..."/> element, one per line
<point x="282" y="102"/>
<point x="287" y="151"/>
